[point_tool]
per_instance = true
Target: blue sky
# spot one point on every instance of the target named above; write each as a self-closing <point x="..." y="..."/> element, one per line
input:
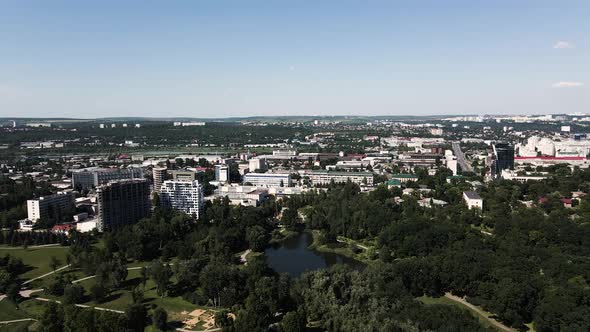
<point x="236" y="58"/>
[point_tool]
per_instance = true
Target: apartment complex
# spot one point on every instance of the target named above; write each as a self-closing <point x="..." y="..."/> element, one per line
<point x="93" y="177"/>
<point x="50" y="206"/>
<point x="327" y="177"/>
<point x="160" y="175"/>
<point x="122" y="202"/>
<point x="184" y="196"/>
<point x="268" y="179"/>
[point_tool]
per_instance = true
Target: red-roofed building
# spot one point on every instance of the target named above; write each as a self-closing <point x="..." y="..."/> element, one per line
<point x="567" y="202"/>
<point x="63" y="228"/>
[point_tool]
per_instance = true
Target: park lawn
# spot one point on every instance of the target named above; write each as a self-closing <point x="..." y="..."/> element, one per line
<point x="121" y="298"/>
<point x="19" y="326"/>
<point x="37" y="260"/>
<point x="27" y="309"/>
<point x="446" y="301"/>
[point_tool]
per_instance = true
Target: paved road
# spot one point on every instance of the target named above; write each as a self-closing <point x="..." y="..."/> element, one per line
<point x="461" y="158"/>
<point x="46" y="246"/>
<point x="17" y="320"/>
<point x="94" y="276"/>
<point x="243" y="257"/>
<point x="480" y="312"/>
<point x="46" y="274"/>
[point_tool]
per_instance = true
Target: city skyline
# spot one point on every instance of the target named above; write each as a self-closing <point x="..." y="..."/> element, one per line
<point x="237" y="59"/>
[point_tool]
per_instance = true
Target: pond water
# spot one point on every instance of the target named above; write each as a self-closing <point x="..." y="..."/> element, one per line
<point x="294" y="257"/>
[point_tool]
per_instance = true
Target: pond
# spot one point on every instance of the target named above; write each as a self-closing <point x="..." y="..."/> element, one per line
<point x="294" y="257"/>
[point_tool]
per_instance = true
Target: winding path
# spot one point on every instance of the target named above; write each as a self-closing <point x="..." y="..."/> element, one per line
<point x="480" y="312"/>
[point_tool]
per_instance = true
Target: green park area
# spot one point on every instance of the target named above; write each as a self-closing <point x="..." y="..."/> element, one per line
<point x="37" y="260"/>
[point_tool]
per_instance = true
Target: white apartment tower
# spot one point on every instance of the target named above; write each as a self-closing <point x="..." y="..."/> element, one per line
<point x="185" y="196"/>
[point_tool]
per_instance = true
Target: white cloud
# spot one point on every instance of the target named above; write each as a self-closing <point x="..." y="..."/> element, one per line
<point x="563" y="44"/>
<point x="567" y="84"/>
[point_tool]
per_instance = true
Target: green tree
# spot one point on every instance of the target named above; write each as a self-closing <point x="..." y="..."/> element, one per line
<point x="160" y="319"/>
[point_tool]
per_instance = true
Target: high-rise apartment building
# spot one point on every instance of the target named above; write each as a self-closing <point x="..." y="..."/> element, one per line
<point x="93" y="177"/>
<point x="160" y="174"/>
<point x="50" y="206"/>
<point x="183" y="196"/>
<point x="122" y="202"/>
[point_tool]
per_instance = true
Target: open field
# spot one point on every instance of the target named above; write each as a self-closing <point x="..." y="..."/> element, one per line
<point x="37" y="260"/>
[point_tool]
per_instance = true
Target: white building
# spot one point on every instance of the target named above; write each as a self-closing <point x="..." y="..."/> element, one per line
<point x="327" y="177"/>
<point x="268" y="179"/>
<point x="436" y="131"/>
<point x="183" y="196"/>
<point x="242" y="195"/>
<point x="222" y="173"/>
<point x="473" y="200"/>
<point x="451" y="163"/>
<point x="257" y="164"/>
<point x="47" y="206"/>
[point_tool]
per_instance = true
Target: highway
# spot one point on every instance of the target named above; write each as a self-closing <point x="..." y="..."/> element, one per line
<point x="461" y="158"/>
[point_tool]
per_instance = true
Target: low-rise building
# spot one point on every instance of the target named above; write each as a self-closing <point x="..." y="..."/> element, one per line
<point x="473" y="200"/>
<point x="268" y="179"/>
<point x="327" y="177"/>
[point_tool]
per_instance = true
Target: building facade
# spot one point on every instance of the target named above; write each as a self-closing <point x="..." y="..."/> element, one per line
<point x="122" y="202"/>
<point x="93" y="177"/>
<point x="503" y="158"/>
<point x="473" y="200"/>
<point x="327" y="177"/>
<point x="222" y="173"/>
<point x="183" y="196"/>
<point x="160" y="174"/>
<point x="268" y="179"/>
<point x="50" y="206"/>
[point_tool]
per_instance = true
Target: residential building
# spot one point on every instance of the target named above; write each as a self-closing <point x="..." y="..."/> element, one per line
<point x="268" y="179"/>
<point x="256" y="164"/>
<point x="89" y="178"/>
<point x="181" y="175"/>
<point x="403" y="178"/>
<point x="473" y="200"/>
<point x="51" y="206"/>
<point x="160" y="174"/>
<point x="222" y="173"/>
<point x="184" y="196"/>
<point x="327" y="177"/>
<point x="122" y="202"/>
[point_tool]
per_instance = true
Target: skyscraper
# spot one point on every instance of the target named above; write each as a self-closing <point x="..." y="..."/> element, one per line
<point x="183" y="196"/>
<point x="503" y="158"/>
<point x="122" y="202"/>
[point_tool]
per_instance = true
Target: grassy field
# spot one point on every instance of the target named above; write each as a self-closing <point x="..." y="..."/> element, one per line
<point x="37" y="260"/>
<point x="344" y="248"/>
<point x="446" y="301"/>
<point x="26" y="309"/>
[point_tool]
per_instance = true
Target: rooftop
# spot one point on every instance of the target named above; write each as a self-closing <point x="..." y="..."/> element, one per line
<point x="471" y="195"/>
